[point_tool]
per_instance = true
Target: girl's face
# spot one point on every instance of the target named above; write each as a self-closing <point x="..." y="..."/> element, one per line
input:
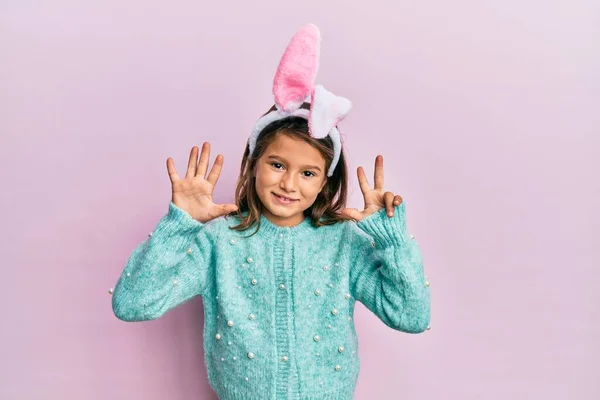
<point x="289" y="175"/>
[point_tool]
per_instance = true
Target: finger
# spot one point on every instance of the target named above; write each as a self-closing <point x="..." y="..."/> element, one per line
<point x="215" y="171"/>
<point x="352" y="213"/>
<point x="192" y="161"/>
<point x="204" y="157"/>
<point x="397" y="200"/>
<point x="173" y="177"/>
<point x="362" y="181"/>
<point x="379" y="172"/>
<point x="388" y="200"/>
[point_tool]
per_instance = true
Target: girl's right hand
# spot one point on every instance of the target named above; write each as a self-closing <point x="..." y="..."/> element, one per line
<point x="194" y="193"/>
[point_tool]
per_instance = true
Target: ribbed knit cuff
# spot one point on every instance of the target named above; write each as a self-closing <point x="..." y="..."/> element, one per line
<point x="384" y="230"/>
<point x="178" y="221"/>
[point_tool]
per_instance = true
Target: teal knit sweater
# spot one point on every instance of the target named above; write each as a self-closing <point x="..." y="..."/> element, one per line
<point x="279" y="305"/>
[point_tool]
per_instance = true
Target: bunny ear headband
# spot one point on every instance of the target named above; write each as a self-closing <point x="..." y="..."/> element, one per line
<point x="294" y="83"/>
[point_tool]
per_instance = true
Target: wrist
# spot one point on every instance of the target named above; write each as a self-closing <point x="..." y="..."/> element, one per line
<point x="386" y="231"/>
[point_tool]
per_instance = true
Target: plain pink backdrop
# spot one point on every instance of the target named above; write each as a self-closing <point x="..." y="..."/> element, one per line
<point x="487" y="114"/>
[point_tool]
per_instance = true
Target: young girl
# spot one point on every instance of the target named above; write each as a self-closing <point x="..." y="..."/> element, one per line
<point x="280" y="270"/>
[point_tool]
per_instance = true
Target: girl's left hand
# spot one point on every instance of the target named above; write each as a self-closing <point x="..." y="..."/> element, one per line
<point x="375" y="199"/>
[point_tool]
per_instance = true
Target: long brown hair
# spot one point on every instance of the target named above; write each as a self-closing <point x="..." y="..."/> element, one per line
<point x="329" y="202"/>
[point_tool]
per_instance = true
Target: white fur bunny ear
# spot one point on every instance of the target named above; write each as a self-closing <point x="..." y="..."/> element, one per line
<point x="326" y="111"/>
<point x="295" y="77"/>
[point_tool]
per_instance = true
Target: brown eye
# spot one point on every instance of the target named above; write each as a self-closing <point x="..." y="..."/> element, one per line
<point x="309" y="174"/>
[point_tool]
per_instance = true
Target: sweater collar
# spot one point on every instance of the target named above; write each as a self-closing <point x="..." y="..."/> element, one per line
<point x="269" y="228"/>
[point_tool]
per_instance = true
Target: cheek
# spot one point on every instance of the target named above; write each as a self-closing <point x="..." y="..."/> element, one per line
<point x="311" y="189"/>
<point x="264" y="179"/>
<point x="261" y="187"/>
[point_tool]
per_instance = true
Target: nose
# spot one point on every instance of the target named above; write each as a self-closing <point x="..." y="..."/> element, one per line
<point x="288" y="182"/>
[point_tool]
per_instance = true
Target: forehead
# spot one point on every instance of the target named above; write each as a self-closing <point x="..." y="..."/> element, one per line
<point x="295" y="151"/>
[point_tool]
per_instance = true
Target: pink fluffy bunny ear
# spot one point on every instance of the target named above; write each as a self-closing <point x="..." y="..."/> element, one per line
<point x="295" y="77"/>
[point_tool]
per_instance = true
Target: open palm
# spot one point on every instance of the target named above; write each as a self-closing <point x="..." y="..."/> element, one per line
<point x="194" y="193"/>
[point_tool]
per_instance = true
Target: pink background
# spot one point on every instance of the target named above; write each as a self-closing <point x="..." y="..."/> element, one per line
<point x="486" y="113"/>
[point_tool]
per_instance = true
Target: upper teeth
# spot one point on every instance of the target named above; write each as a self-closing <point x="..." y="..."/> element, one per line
<point x="285" y="198"/>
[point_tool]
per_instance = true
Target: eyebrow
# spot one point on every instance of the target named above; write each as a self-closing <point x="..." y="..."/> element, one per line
<point x="273" y="156"/>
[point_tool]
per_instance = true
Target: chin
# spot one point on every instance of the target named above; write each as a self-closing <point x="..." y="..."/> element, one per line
<point x="287" y="212"/>
<point x="284" y="212"/>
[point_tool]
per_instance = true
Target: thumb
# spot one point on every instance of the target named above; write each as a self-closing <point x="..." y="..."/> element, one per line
<point x="352" y="213"/>
<point x="225" y="209"/>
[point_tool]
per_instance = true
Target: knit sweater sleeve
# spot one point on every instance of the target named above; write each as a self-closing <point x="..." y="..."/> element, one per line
<point x="386" y="272"/>
<point x="167" y="269"/>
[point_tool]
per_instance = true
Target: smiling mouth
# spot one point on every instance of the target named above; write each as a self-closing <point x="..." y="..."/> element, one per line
<point x="284" y="198"/>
